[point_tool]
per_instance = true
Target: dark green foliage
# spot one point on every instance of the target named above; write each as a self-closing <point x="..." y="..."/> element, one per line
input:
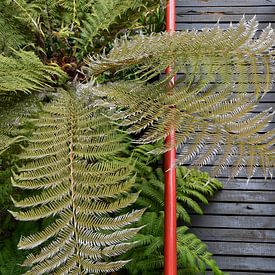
<point x="193" y="189"/>
<point x="10" y="257"/>
<point x="50" y="34"/>
<point x="24" y="72"/>
<point x="13" y="32"/>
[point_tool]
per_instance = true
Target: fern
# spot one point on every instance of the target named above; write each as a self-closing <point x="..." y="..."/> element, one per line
<point x="230" y="57"/>
<point x="193" y="187"/>
<point x="74" y="178"/>
<point x="193" y="258"/>
<point x="214" y="123"/>
<point x="13" y="32"/>
<point x="25" y="72"/>
<point x="106" y="13"/>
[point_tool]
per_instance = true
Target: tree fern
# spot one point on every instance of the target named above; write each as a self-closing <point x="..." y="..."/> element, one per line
<point x="73" y="178"/>
<point x="231" y="57"/>
<point x="193" y="258"/>
<point x="214" y="123"/>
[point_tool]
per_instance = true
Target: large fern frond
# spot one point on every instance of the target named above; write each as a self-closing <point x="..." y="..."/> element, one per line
<point x="232" y="56"/>
<point x="212" y="125"/>
<point x="211" y="106"/>
<point x="71" y="167"/>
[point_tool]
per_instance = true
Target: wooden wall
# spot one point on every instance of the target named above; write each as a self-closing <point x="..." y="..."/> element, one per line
<point x="239" y="223"/>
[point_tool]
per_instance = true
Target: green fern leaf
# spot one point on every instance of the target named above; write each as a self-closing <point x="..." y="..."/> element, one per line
<point x="70" y="159"/>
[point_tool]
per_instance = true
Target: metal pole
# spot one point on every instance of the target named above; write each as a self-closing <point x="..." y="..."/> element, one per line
<point x="170" y="219"/>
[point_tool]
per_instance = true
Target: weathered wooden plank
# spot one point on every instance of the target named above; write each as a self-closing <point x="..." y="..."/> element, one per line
<point x="245" y="249"/>
<point x="238" y="235"/>
<point x="224" y="3"/>
<point x="244" y="196"/>
<point x="236" y="208"/>
<point x="199" y="26"/>
<point x="226" y="10"/>
<point x="253" y="184"/>
<point x="264" y="106"/>
<point x="246" y="263"/>
<point x="241" y="273"/>
<point x="246" y="222"/>
<point x="226" y="173"/>
<point x="269" y="97"/>
<point x="222" y="18"/>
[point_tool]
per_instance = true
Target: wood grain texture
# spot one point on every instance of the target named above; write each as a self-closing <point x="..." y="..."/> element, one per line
<point x="237" y="208"/>
<point x="253" y="184"/>
<point x="236" y="235"/>
<point x="246" y="263"/>
<point x="244" y="196"/>
<point x="200" y="25"/>
<point x="227" y="10"/>
<point x="219" y="16"/>
<point x="239" y="224"/>
<point x="238" y="249"/>
<point x="224" y="3"/>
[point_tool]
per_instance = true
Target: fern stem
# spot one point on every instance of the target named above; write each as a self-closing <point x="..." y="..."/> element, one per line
<point x="72" y="184"/>
<point x="32" y="20"/>
<point x="74" y="14"/>
<point x="50" y="31"/>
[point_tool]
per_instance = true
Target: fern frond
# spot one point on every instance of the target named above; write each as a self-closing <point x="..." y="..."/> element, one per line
<point x="24" y="72"/>
<point x="13" y="32"/>
<point x="105" y="14"/>
<point x="196" y="53"/>
<point x="206" y="121"/>
<point x="193" y="256"/>
<point x="68" y="184"/>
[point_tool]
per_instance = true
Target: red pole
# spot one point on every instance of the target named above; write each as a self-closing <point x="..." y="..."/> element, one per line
<point x="170" y="219"/>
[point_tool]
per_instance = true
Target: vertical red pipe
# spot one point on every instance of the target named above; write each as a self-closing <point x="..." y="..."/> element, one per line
<point x="170" y="219"/>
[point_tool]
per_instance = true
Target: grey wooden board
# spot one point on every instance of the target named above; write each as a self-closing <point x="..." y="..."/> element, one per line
<point x="214" y="17"/>
<point x="243" y="273"/>
<point x="224" y="3"/>
<point x="247" y="249"/>
<point x="241" y="184"/>
<point x="239" y="220"/>
<point x="216" y="221"/>
<point x="231" y="10"/>
<point x="237" y="208"/>
<point x="245" y="263"/>
<point x="237" y="235"/>
<point x="244" y="196"/>
<point x="199" y="26"/>
<point x="269" y="97"/>
<point x="226" y="172"/>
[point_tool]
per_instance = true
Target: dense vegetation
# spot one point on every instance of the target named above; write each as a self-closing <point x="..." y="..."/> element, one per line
<point x="77" y="84"/>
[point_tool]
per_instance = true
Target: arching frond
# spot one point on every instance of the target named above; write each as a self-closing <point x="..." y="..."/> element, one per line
<point x="71" y="164"/>
<point x="213" y="124"/>
<point x="231" y="57"/>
